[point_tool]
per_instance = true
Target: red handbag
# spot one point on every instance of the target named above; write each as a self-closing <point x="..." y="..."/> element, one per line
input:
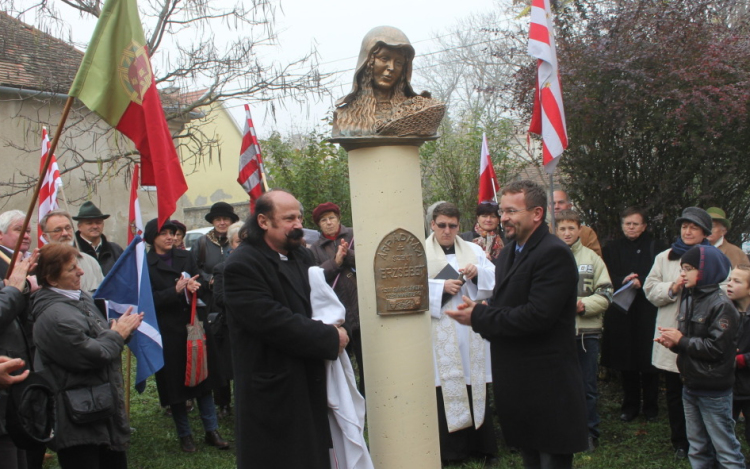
<point x="196" y="370"/>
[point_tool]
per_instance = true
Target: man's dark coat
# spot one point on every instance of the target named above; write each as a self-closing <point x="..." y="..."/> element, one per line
<point x="278" y="354"/>
<point x="539" y="392"/>
<point x="108" y="254"/>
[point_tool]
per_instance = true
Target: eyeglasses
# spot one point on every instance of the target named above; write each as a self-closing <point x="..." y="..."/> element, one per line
<point x="687" y="268"/>
<point x="491" y="203"/>
<point x="442" y="226"/>
<point x="513" y="211"/>
<point x="61" y="229"/>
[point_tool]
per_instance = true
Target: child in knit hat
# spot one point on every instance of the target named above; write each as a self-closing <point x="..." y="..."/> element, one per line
<point x="705" y="342"/>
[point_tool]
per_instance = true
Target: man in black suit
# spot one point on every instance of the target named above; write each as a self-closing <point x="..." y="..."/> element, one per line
<point x="539" y="394"/>
<point x="278" y="351"/>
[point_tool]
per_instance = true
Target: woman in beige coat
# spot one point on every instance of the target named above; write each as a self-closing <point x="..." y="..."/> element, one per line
<point x="663" y="288"/>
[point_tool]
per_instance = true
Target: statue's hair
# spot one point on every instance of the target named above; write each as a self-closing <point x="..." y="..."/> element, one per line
<point x="358" y="117"/>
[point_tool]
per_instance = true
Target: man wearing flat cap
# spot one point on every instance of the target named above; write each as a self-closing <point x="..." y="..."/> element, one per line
<point x="208" y="251"/>
<point x="721" y="224"/>
<point x="90" y="237"/>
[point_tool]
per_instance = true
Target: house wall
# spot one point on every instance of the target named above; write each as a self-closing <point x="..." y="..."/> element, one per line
<point x="21" y="118"/>
<point x="213" y="179"/>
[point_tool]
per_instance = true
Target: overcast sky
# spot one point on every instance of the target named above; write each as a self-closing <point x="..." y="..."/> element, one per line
<point x="336" y="29"/>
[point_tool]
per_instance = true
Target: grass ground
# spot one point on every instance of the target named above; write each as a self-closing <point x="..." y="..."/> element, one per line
<point x="636" y="444"/>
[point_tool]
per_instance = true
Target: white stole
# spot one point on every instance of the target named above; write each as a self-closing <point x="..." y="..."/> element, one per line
<point x="447" y="354"/>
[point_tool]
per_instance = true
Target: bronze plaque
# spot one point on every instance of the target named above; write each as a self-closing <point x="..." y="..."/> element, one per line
<point x="401" y="274"/>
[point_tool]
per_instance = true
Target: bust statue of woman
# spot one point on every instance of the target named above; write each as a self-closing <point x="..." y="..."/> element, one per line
<point x="382" y="101"/>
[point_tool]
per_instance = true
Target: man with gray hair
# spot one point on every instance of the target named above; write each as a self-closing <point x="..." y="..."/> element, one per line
<point x="11" y="223"/>
<point x="57" y="227"/>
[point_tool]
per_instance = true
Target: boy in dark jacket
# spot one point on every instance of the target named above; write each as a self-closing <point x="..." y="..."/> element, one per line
<point x="705" y="343"/>
<point x="738" y="290"/>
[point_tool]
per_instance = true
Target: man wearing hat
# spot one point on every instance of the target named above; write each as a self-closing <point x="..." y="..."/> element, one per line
<point x="90" y="237"/>
<point x="663" y="288"/>
<point x="720" y="227"/>
<point x="208" y="251"/>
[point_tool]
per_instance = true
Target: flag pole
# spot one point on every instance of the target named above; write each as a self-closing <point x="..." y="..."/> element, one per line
<point x="35" y="196"/>
<point x="552" y="199"/>
<point x="127" y="383"/>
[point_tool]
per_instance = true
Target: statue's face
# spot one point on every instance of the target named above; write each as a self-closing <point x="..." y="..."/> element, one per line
<point x="387" y="68"/>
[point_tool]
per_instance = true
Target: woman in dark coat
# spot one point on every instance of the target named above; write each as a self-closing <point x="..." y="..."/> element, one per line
<point x="80" y="350"/>
<point x="628" y="335"/>
<point x="340" y="268"/>
<point x="165" y="267"/>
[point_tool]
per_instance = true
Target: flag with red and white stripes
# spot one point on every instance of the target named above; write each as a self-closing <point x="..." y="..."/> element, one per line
<point x="50" y="184"/>
<point x="251" y="163"/>
<point x="488" y="185"/>
<point x="548" y="118"/>
<point x="135" y="222"/>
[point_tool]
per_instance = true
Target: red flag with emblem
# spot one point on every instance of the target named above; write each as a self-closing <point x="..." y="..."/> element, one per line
<point x="116" y="81"/>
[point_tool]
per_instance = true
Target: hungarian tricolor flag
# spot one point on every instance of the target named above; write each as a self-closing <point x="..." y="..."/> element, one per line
<point x="116" y="82"/>
<point x="548" y="119"/>
<point x="488" y="185"/>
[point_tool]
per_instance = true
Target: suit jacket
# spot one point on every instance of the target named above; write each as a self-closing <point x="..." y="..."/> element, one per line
<point x="539" y="392"/>
<point x="278" y="353"/>
<point x="108" y="254"/>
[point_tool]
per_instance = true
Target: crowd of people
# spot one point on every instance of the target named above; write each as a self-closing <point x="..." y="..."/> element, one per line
<point x="522" y="307"/>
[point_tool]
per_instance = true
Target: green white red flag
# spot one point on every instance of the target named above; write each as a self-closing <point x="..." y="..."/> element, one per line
<point x="116" y="81"/>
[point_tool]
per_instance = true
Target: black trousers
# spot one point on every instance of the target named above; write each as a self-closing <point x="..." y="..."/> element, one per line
<point x="91" y="457"/>
<point x="354" y="350"/>
<point x="10" y="456"/>
<point x="470" y="441"/>
<point x="533" y="459"/>
<point x="637" y="385"/>
<point x="677" y="427"/>
<point x="744" y="407"/>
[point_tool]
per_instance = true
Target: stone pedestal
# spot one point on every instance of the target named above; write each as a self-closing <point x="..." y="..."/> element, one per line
<point x="399" y="375"/>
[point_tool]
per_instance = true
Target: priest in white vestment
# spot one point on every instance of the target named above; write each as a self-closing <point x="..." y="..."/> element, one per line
<point x="458" y="268"/>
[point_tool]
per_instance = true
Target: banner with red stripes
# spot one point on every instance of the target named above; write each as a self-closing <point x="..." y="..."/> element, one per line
<point x="50" y="184"/>
<point x="251" y="163"/>
<point x="548" y="118"/>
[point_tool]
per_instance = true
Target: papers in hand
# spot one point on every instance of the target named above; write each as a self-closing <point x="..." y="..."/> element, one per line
<point x="624" y="296"/>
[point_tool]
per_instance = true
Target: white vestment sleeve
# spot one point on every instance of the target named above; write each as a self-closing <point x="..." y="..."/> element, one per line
<point x="485" y="276"/>
<point x="436" y="297"/>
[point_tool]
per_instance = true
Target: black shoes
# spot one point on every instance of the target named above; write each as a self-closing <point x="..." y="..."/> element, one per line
<point x="214" y="439"/>
<point x="187" y="444"/>
<point x="628" y="416"/>
<point x="593" y="444"/>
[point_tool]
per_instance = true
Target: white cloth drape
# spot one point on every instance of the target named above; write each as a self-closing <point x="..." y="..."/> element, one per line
<point x="346" y="406"/>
